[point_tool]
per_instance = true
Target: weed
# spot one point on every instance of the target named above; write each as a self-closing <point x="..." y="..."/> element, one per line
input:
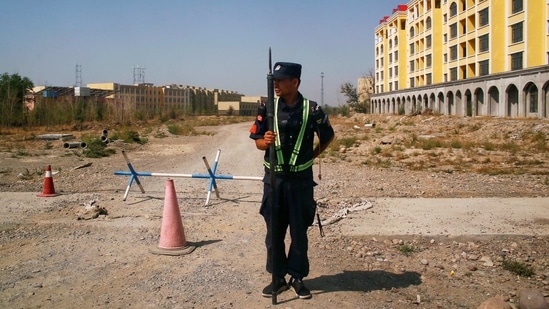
<point x="185" y="129"/>
<point x="511" y="147"/>
<point x="384" y="164"/>
<point x="428" y="144"/>
<point x="518" y="268"/>
<point x="455" y="144"/>
<point x="97" y="149"/>
<point x="128" y="136"/>
<point x="489" y="146"/>
<point x="376" y="150"/>
<point x="406" y="250"/>
<point x="348" y="141"/>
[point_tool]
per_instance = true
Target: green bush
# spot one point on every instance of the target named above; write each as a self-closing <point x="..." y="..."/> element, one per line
<point x="97" y="149"/>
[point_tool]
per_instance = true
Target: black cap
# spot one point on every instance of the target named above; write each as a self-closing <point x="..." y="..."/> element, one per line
<point x="284" y="70"/>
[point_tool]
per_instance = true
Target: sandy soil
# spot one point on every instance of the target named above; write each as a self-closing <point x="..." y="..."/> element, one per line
<point x="394" y="237"/>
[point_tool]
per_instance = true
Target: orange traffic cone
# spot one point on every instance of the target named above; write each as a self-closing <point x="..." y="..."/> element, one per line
<point x="172" y="234"/>
<point x="48" y="189"/>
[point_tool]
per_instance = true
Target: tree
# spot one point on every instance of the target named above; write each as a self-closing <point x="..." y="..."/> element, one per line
<point x="351" y="93"/>
<point x="13" y="89"/>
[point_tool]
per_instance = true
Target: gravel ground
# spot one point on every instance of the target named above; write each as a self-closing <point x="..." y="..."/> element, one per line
<point x="405" y="226"/>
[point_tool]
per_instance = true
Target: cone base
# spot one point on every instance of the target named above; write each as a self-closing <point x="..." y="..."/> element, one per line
<point x="172" y="251"/>
<point x="48" y="194"/>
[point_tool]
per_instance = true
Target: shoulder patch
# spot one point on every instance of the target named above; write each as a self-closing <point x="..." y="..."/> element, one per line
<point x="253" y="129"/>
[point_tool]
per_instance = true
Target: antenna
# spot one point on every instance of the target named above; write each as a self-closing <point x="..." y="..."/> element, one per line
<point x="138" y="75"/>
<point x="78" y="78"/>
<point x="321" y="88"/>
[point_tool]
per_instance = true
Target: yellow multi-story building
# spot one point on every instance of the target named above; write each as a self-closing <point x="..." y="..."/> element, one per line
<point x="464" y="57"/>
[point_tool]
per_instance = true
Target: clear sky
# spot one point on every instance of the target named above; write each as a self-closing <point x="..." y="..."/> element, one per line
<point x="220" y="44"/>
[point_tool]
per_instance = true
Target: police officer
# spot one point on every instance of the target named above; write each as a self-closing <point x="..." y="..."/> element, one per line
<point x="296" y="121"/>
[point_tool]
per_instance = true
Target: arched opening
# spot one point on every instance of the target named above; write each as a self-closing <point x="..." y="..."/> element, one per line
<point x="440" y="104"/>
<point x="469" y="103"/>
<point x="493" y="103"/>
<point x="479" y="102"/>
<point x="532" y="99"/>
<point x="450" y="105"/>
<point x="512" y="101"/>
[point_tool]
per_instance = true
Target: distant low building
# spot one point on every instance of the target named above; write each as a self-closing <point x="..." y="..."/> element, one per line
<point x="246" y="106"/>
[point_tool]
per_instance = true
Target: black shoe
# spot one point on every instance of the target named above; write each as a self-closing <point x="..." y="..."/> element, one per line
<point x="299" y="288"/>
<point x="281" y="286"/>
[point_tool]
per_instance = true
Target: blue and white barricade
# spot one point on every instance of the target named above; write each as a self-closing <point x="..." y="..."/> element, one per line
<point x="134" y="176"/>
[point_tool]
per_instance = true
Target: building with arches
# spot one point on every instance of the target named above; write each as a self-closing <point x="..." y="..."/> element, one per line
<point x="464" y="57"/>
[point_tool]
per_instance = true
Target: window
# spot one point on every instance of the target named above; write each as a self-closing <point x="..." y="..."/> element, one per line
<point x="516" y="61"/>
<point x="429" y="23"/>
<point x="396" y="41"/>
<point x="428" y="41"/>
<point x="429" y="79"/>
<point x="453" y="52"/>
<point x="453" y="74"/>
<point x="516" y="33"/>
<point x="483" y="17"/>
<point x="412" y="66"/>
<point x="390" y="58"/>
<point x="445" y="58"/>
<point x="483" y="68"/>
<point x="429" y="60"/>
<point x="453" y="9"/>
<point x="412" y="49"/>
<point x="396" y="71"/>
<point x="484" y="43"/>
<point x="412" y="32"/>
<point x="396" y="85"/>
<point x="453" y="30"/>
<point x="390" y="72"/>
<point x="412" y="84"/>
<point x="396" y="55"/>
<point x="446" y="38"/>
<point x="377" y="63"/>
<point x="517" y="6"/>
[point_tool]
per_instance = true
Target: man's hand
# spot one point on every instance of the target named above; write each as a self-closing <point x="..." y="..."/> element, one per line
<point x="267" y="140"/>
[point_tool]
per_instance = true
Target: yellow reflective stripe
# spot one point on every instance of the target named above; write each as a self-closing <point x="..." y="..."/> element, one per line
<point x="297" y="145"/>
<point x="278" y="147"/>
<point x="293" y="168"/>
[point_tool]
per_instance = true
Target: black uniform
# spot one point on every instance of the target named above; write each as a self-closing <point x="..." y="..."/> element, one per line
<point x="294" y="189"/>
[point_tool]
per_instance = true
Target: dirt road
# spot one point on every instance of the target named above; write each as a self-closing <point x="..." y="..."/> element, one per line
<point x="48" y="258"/>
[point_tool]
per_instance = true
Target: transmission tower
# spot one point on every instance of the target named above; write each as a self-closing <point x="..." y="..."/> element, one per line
<point x="138" y="75"/>
<point x="321" y="88"/>
<point x="78" y="81"/>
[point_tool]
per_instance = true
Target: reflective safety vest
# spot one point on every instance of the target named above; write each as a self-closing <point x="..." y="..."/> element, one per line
<point x="290" y="166"/>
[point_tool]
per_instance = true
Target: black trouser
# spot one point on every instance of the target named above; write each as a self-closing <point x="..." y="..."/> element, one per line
<point x="295" y="209"/>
